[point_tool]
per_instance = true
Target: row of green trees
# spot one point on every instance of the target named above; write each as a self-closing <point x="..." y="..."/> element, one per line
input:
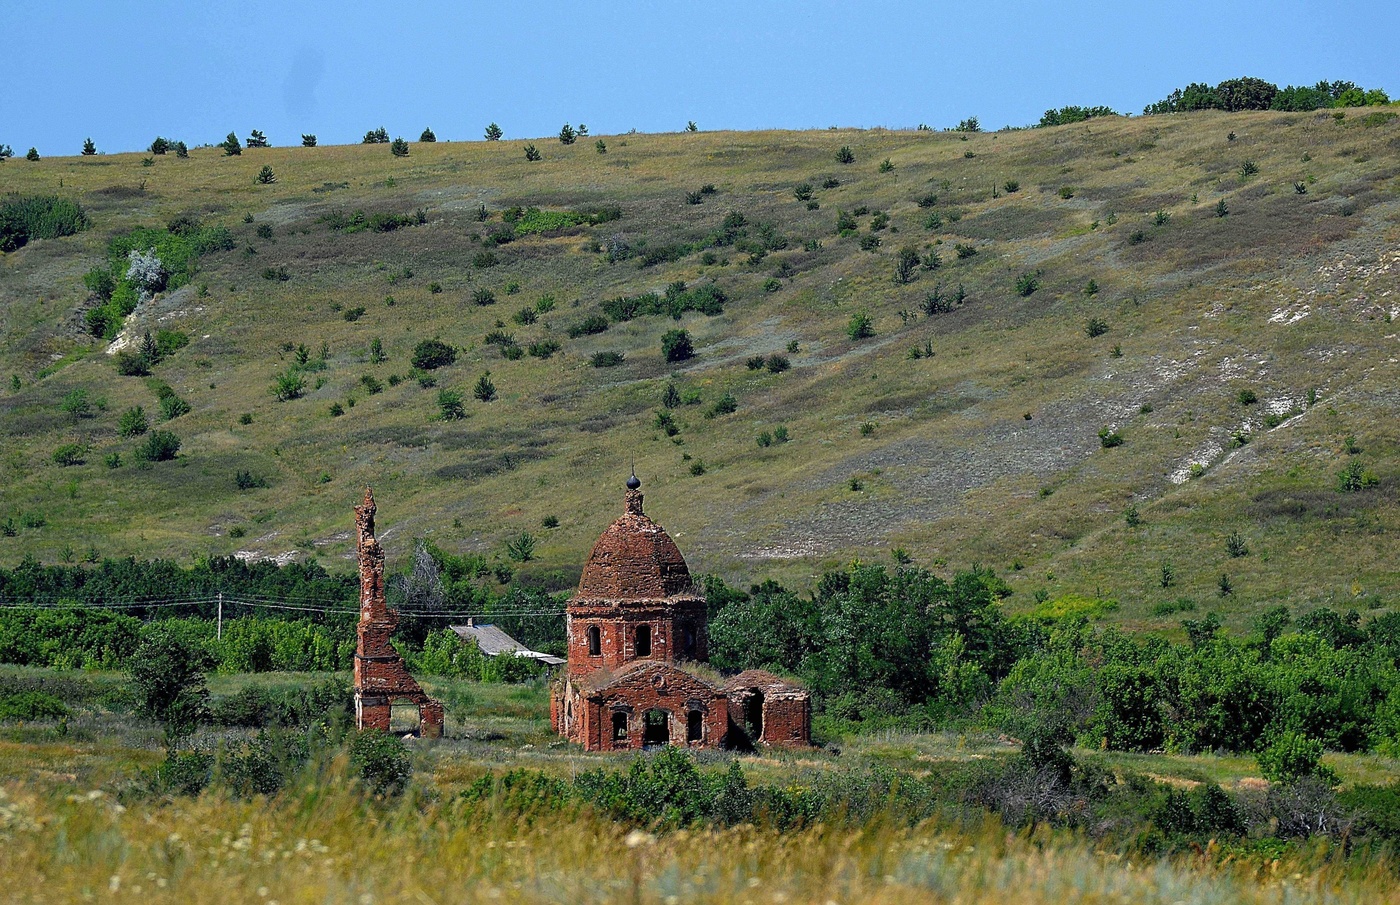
<point x="885" y="647"/>
<point x="1257" y="94"/>
<point x="879" y="646"/>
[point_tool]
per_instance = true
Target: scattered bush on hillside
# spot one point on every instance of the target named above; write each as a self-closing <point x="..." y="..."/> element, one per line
<point x="1355" y="477"/>
<point x="308" y="140"/>
<point x="724" y="405"/>
<point x="532" y="153"/>
<point x="257" y="139"/>
<point x="398" y="147"/>
<point x="906" y="265"/>
<point x="427" y="135"/>
<point x="593" y="324"/>
<point x="431" y="354"/>
<point x="172" y="406"/>
<point x="1109" y="438"/>
<point x="231" y="145"/>
<point x="69" y="454"/>
<point x="289" y="385"/>
<point x="133" y="422"/>
<point x="378" y="136"/>
<point x="266" y="176"/>
<point x="676" y="346"/>
<point x="1027" y="283"/>
<point x="1096" y="327"/>
<point x="493" y="132"/>
<point x="860" y="326"/>
<point x="971" y="124"/>
<point x="845" y="155"/>
<point x="450" y="405"/>
<point x="485" y="389"/>
<point x="543" y="348"/>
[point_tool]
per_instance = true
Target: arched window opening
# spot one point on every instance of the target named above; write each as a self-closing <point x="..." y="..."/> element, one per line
<point x="656" y="729"/>
<point x="753" y="716"/>
<point x="619" y="727"/>
<point x="644" y="641"/>
<point x="405" y="718"/>
<point x="694" y="726"/>
<point x="595" y="641"/>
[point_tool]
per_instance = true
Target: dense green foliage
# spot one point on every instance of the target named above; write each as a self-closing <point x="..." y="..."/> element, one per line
<point x="133" y="582"/>
<point x="1257" y="94"/>
<point x="668" y="790"/>
<point x="176" y="250"/>
<point x="1067" y="115"/>
<point x="677" y="300"/>
<point x="167" y="673"/>
<point x="908" y="648"/>
<point x="38" y="217"/>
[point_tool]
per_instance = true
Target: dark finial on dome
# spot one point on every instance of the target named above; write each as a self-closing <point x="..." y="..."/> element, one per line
<point x="634" y="495"/>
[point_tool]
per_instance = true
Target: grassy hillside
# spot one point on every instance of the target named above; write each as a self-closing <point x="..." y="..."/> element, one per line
<point x="971" y="434"/>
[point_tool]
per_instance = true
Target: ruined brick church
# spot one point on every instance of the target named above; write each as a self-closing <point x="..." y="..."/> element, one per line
<point x="637" y="635"/>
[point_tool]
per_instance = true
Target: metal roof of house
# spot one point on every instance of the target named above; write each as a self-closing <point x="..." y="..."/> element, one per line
<point x="493" y="642"/>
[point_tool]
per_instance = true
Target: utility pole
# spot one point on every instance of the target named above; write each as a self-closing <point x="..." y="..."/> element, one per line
<point x="219" y="632"/>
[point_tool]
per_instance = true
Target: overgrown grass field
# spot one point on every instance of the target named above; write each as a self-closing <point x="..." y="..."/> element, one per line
<point x="82" y="818"/>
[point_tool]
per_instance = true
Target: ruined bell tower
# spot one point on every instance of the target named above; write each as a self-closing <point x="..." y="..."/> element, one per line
<point x="381" y="678"/>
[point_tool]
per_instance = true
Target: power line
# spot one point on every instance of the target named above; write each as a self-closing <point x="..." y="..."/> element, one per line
<point x="261" y="602"/>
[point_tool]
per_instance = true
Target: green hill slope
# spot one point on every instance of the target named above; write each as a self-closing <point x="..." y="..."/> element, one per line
<point x="1234" y="256"/>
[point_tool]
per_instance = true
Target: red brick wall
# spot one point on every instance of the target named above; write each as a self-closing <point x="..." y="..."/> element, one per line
<point x="617" y="632"/>
<point x="661" y="688"/>
<point x="787" y="722"/>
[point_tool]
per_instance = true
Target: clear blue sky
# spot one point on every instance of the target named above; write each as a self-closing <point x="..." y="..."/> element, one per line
<point x="123" y="71"/>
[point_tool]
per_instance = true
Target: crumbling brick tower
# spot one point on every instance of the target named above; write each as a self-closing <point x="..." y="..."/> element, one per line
<point x="380" y="675"/>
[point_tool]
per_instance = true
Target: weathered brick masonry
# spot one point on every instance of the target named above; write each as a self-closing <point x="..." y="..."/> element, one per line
<point x="635" y="623"/>
<point x="380" y="675"/>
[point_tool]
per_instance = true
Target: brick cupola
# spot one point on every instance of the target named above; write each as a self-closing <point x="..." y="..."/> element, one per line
<point x="636" y="599"/>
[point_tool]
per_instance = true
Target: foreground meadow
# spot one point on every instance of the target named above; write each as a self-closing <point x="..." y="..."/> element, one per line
<point x="329" y="843"/>
<point x="84" y="817"/>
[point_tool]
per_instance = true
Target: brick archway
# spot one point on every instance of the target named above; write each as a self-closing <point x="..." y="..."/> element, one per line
<point x="656" y="728"/>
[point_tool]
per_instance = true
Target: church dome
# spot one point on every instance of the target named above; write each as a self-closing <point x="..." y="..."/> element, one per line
<point x="634" y="559"/>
